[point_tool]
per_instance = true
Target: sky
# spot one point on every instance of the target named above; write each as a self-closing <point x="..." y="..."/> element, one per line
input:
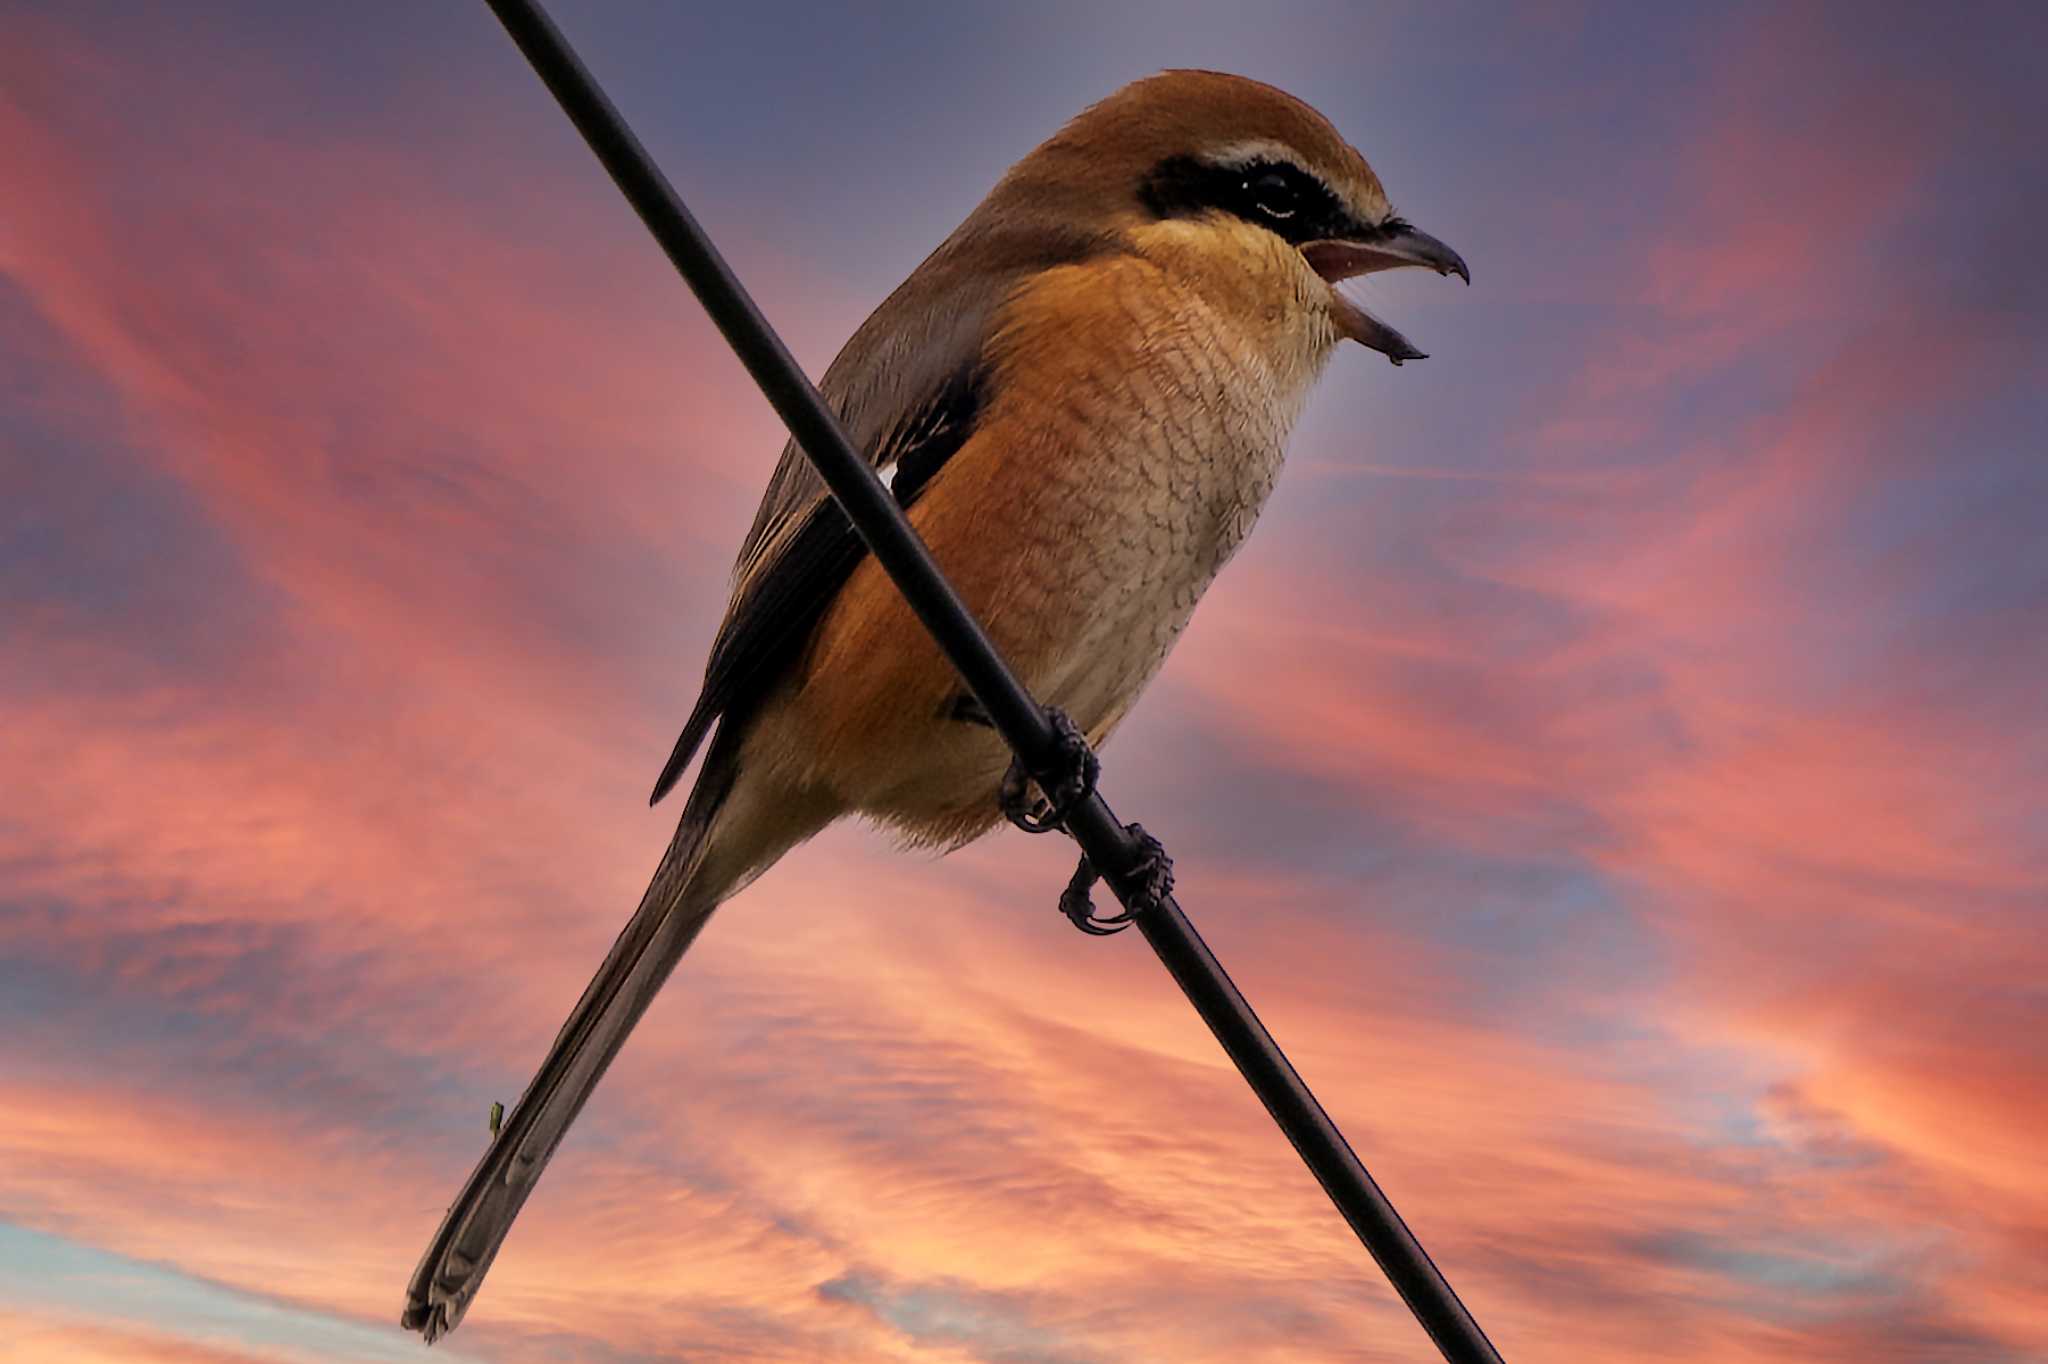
<point x="1615" y="768"/>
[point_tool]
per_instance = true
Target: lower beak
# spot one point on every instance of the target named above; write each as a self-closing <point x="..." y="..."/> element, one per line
<point x="1339" y="259"/>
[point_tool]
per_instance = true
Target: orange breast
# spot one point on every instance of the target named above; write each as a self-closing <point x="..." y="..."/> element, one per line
<point x="1133" y="430"/>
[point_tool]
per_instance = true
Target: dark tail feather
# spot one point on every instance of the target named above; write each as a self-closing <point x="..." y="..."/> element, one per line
<point x="661" y="929"/>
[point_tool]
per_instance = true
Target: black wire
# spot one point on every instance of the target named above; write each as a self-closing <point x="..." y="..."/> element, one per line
<point x="1019" y="719"/>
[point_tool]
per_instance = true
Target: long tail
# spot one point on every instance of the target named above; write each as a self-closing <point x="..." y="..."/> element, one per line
<point x="684" y="892"/>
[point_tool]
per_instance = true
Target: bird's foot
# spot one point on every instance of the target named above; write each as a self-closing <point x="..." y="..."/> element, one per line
<point x="1151" y="876"/>
<point x="1078" y="769"/>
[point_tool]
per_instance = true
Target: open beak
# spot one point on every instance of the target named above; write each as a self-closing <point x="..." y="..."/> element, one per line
<point x="1339" y="259"/>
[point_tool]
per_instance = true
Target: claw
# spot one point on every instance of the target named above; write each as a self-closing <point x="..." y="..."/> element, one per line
<point x="1078" y="770"/>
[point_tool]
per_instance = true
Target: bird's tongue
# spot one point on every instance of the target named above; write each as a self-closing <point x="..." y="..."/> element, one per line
<point x="1368" y="331"/>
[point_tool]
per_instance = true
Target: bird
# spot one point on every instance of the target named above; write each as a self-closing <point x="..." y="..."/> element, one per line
<point x="1081" y="399"/>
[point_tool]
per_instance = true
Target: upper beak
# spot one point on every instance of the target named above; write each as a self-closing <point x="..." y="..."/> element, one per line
<point x="1338" y="259"/>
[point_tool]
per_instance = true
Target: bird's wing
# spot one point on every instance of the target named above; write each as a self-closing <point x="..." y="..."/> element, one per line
<point x="908" y="387"/>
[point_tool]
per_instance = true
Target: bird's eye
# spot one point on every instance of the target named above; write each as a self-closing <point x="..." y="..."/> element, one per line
<point x="1274" y="195"/>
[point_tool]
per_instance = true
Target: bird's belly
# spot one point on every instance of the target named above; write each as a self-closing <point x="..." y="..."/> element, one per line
<point x="1140" y="563"/>
<point x="1084" y="583"/>
<point x="1082" y="524"/>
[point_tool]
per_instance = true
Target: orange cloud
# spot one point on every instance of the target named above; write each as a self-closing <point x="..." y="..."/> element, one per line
<point x="32" y="1339"/>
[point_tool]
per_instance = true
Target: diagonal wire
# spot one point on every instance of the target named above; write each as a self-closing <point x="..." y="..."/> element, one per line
<point x="1108" y="844"/>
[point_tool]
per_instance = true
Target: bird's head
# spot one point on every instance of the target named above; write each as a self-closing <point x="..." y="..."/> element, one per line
<point x="1222" y="152"/>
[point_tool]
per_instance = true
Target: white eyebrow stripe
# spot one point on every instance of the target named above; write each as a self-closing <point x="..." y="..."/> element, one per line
<point x="1259" y="149"/>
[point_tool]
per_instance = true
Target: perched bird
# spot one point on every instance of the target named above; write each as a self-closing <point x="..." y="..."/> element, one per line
<point x="1081" y="399"/>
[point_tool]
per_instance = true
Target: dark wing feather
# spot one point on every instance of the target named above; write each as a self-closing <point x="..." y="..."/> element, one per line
<point x="908" y="388"/>
<point x="772" y="619"/>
